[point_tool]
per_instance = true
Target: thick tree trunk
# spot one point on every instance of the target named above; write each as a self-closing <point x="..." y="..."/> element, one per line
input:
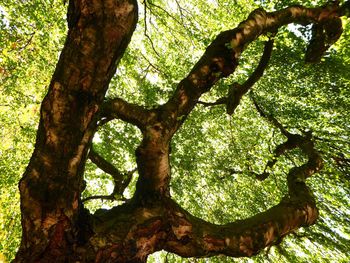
<point x="99" y="32"/>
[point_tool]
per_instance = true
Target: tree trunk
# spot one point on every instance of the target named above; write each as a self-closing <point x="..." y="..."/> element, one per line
<point x="99" y="32"/>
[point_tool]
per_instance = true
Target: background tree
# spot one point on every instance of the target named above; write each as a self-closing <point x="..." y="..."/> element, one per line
<point x="293" y="124"/>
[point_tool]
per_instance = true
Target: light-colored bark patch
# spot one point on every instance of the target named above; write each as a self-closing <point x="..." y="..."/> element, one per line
<point x="124" y="9"/>
<point x="181" y="230"/>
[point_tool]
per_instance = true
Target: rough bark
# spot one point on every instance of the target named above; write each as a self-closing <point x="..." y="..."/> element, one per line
<point x="55" y="225"/>
<point x="99" y="32"/>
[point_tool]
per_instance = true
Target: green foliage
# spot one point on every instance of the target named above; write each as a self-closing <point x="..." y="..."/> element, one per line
<point x="214" y="156"/>
<point x="32" y="34"/>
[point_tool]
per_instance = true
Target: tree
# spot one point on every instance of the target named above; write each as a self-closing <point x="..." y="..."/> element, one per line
<point x="55" y="223"/>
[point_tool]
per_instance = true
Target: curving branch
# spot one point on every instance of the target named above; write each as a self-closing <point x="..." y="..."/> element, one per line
<point x="163" y="224"/>
<point x="120" y="109"/>
<point x="193" y="237"/>
<point x="324" y="34"/>
<point x="221" y="56"/>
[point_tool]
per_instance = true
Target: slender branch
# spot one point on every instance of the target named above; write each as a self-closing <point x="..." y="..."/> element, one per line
<point x="28" y="41"/>
<point x="219" y="101"/>
<point x="304" y="142"/>
<point x="281" y="148"/>
<point x="145" y="29"/>
<point x="105" y="166"/>
<point x="165" y="23"/>
<point x="118" y="190"/>
<point x="120" y="180"/>
<point x="189" y="15"/>
<point x="237" y="90"/>
<point x="269" y="117"/>
<point x="180" y="10"/>
<point x="110" y="197"/>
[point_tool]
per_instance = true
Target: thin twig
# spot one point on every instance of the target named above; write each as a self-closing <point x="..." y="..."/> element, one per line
<point x="28" y="42"/>
<point x="145" y="29"/>
<point x="165" y="11"/>
<point x="218" y="102"/>
<point x="154" y="66"/>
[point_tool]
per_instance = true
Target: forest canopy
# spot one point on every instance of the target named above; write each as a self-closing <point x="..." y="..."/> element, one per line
<point x="246" y="138"/>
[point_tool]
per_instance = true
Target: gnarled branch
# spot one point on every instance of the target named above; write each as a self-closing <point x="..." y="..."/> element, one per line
<point x="221" y="56"/>
<point x="193" y="237"/>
